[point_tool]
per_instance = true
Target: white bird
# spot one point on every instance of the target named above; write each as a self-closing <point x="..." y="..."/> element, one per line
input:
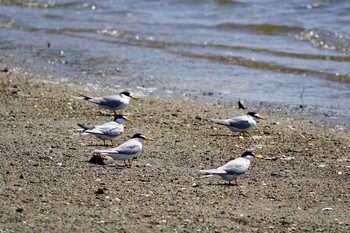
<point x="128" y="150"/>
<point x="112" y="102"/>
<point x="232" y="169"/>
<point x="239" y="124"/>
<point x="106" y="131"/>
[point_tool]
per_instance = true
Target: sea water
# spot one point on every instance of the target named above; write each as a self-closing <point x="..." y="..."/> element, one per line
<point x="293" y="53"/>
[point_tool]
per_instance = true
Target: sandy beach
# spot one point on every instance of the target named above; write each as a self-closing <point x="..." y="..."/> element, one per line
<point x="48" y="185"/>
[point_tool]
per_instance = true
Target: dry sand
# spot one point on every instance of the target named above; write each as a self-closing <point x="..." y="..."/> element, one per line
<point x="48" y="185"/>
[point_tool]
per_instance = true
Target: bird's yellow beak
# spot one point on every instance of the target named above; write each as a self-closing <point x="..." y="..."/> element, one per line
<point x="128" y="119"/>
<point x="258" y="156"/>
<point x="149" y="139"/>
<point x="134" y="97"/>
<point x="261" y="117"/>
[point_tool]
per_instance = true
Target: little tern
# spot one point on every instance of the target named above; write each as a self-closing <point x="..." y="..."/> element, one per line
<point x="232" y="169"/>
<point x="128" y="150"/>
<point x="239" y="124"/>
<point x="112" y="102"/>
<point x="106" y="131"/>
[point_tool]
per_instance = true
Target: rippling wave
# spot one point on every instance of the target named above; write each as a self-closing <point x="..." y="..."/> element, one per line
<point x="177" y="48"/>
<point x="268" y="29"/>
<point x="326" y="39"/>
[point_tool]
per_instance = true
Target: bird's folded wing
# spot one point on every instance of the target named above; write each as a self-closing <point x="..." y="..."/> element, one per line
<point x="219" y="121"/>
<point x="84" y="127"/>
<point x="213" y="172"/>
<point x="109" y="152"/>
<point x="96" y="100"/>
<point x="95" y="131"/>
<point x="110" y="101"/>
<point x="128" y="149"/>
<point x="240" y="124"/>
<point x="114" y="131"/>
<point x="83" y="97"/>
<point x="234" y="168"/>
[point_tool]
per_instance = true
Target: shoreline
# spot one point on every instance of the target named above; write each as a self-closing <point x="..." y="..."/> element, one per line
<point x="302" y="111"/>
<point x="48" y="185"/>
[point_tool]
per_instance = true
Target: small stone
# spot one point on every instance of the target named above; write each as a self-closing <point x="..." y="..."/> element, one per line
<point x="19" y="210"/>
<point x="101" y="159"/>
<point x="288" y="158"/>
<point x="4" y="69"/>
<point x="100" y="191"/>
<point x="270" y="158"/>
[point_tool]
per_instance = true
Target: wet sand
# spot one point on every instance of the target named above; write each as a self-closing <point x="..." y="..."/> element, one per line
<point x="48" y="185"/>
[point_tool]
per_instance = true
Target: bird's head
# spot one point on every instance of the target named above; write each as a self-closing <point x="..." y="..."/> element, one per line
<point x="250" y="155"/>
<point x="255" y="115"/>
<point x="141" y="136"/>
<point x="121" y="118"/>
<point x="126" y="93"/>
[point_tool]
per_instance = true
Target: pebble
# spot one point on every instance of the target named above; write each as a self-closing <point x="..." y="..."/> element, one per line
<point x="100" y="191"/>
<point x="101" y="159"/>
<point x="288" y="158"/>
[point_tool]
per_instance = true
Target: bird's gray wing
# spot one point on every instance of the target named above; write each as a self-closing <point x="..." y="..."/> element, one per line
<point x="110" y="128"/>
<point x="215" y="171"/>
<point x="84" y="127"/>
<point x="96" y="100"/>
<point x="94" y="130"/>
<point x="235" y="167"/>
<point x="128" y="148"/>
<point x="239" y="123"/>
<point x="116" y="131"/>
<point x="110" y="101"/>
<point x="124" y="149"/>
<point x="219" y="121"/>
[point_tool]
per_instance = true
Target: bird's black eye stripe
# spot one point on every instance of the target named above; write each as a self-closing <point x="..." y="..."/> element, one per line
<point x="252" y="114"/>
<point x="126" y="93"/>
<point x="247" y="153"/>
<point x="138" y="135"/>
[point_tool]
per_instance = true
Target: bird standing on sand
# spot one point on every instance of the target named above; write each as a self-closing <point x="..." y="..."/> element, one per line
<point x="239" y="124"/>
<point x="232" y="169"/>
<point x="128" y="150"/>
<point x="106" y="131"/>
<point x="112" y="102"/>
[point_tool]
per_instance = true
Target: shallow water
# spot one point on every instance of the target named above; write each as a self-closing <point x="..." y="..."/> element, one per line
<point x="290" y="52"/>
